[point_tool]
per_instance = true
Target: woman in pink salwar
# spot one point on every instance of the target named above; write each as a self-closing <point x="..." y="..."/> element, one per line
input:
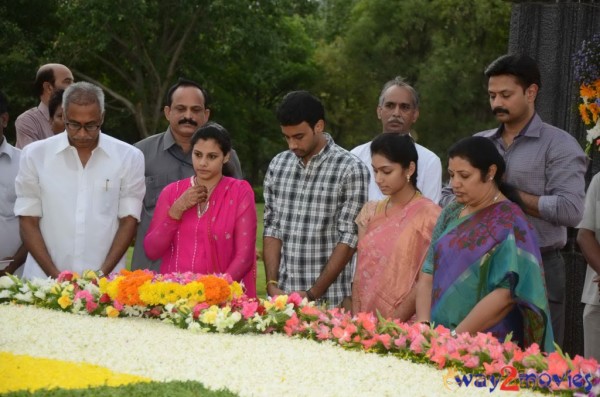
<point x="207" y="223"/>
<point x="393" y="234"/>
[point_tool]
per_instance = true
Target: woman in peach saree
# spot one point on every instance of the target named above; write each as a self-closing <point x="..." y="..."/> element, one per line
<point x="394" y="233"/>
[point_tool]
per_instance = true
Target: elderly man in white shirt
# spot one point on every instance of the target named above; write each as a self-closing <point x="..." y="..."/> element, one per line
<point x="79" y="193"/>
<point x="398" y="110"/>
<point x="12" y="250"/>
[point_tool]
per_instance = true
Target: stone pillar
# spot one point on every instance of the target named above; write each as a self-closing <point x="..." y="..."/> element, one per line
<point x="551" y="32"/>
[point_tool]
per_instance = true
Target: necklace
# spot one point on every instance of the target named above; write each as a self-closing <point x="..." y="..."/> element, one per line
<point x="389" y="203"/>
<point x="466" y="206"/>
<point x="203" y="209"/>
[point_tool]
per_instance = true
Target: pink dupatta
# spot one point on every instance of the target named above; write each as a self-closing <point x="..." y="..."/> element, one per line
<point x="390" y="254"/>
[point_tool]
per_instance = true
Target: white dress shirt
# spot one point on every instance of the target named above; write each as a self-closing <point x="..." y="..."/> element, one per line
<point x="10" y="240"/>
<point x="79" y="207"/>
<point x="429" y="172"/>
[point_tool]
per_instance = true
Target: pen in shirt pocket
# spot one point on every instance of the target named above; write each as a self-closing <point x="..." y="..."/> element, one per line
<point x="106" y="186"/>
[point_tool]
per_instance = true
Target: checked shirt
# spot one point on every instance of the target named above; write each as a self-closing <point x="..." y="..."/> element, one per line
<point x="311" y="209"/>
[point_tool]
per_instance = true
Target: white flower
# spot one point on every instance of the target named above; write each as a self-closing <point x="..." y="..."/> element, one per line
<point x="40" y="294"/>
<point x="6" y="282"/>
<point x="5" y="294"/>
<point x="26" y="297"/>
<point x="594" y="132"/>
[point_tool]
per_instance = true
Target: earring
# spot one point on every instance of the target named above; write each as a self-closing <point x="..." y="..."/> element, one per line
<point x="407" y="178"/>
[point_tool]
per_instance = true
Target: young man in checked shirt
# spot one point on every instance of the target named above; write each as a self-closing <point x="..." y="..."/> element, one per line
<point x="313" y="193"/>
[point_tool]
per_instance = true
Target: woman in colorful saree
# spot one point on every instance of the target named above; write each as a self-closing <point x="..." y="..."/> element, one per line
<point x="393" y="234"/>
<point x="483" y="271"/>
<point x="206" y="223"/>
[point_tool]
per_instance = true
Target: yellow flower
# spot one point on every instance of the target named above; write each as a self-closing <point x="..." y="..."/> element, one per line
<point x="281" y="301"/>
<point x="65" y="301"/>
<point x="209" y="316"/>
<point x="236" y="290"/>
<point x="55" y="289"/>
<point x="112" y="312"/>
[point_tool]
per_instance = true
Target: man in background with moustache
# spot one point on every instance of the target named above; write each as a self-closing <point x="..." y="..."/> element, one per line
<point x="168" y="155"/>
<point x="545" y="164"/>
<point x="398" y="110"/>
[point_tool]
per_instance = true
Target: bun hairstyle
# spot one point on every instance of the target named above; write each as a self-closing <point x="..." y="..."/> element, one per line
<point x="481" y="153"/>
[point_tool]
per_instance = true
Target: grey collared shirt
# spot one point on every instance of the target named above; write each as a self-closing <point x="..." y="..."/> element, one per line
<point x="166" y="162"/>
<point x="545" y="161"/>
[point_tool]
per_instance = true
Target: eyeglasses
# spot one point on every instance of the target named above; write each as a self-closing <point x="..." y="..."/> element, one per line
<point x="74" y="127"/>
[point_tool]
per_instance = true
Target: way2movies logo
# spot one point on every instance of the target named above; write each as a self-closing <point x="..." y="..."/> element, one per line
<point x="511" y="380"/>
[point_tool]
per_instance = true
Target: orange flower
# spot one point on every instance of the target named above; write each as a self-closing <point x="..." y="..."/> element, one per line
<point x="216" y="289"/>
<point x="586" y="91"/>
<point x="128" y="293"/>
<point x="584" y="114"/>
<point x="595" y="110"/>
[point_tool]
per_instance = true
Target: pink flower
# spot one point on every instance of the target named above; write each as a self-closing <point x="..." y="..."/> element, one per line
<point x="65" y="276"/>
<point x="385" y="340"/>
<point x="417" y="343"/>
<point x="83" y="294"/>
<point x="400" y="342"/>
<point x="367" y="321"/>
<point x="323" y="332"/>
<point x="368" y="343"/>
<point x="104" y="298"/>
<point x="291" y="325"/>
<point x="118" y="305"/>
<point x="493" y="368"/>
<point x="344" y="335"/>
<point x="310" y="311"/>
<point x="556" y="364"/>
<point x="249" y="308"/>
<point x="589" y="366"/>
<point x="90" y="306"/>
<point x="295" y="299"/>
<point x="471" y="361"/>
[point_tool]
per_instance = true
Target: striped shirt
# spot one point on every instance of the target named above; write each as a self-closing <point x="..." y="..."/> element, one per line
<point x="311" y="208"/>
<point x="548" y="162"/>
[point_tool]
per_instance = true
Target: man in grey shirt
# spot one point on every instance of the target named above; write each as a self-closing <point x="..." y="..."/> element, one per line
<point x="545" y="164"/>
<point x="168" y="155"/>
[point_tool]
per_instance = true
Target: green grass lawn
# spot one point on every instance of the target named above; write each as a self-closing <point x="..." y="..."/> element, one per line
<point x="260" y="267"/>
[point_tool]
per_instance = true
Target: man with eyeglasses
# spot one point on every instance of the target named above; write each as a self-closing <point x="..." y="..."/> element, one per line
<point x="79" y="193"/>
<point x="34" y="124"/>
<point x="398" y="110"/>
<point x="169" y="155"/>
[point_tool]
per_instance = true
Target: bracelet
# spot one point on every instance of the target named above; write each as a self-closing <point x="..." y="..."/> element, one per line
<point x="310" y="295"/>
<point x="427" y="323"/>
<point x="453" y="333"/>
<point x="275" y="282"/>
<point x="100" y="273"/>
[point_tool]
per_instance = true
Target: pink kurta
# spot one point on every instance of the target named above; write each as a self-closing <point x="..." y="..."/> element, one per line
<point x="223" y="240"/>
<point x="390" y="254"/>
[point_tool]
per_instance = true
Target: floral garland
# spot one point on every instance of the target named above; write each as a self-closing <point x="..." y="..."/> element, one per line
<point x="587" y="73"/>
<point x="193" y="307"/>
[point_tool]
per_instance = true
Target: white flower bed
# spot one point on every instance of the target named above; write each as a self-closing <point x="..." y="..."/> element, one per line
<point x="249" y="365"/>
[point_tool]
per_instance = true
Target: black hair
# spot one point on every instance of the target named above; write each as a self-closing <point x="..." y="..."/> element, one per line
<point x="523" y="67"/>
<point x="481" y="153"/>
<point x="181" y="82"/>
<point x="398" y="149"/>
<point x="3" y="103"/>
<point x="55" y="101"/>
<point x="45" y="75"/>
<point x="214" y="131"/>
<point x="298" y="107"/>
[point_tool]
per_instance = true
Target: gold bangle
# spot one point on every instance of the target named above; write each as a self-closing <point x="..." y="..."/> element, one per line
<point x="273" y="282"/>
